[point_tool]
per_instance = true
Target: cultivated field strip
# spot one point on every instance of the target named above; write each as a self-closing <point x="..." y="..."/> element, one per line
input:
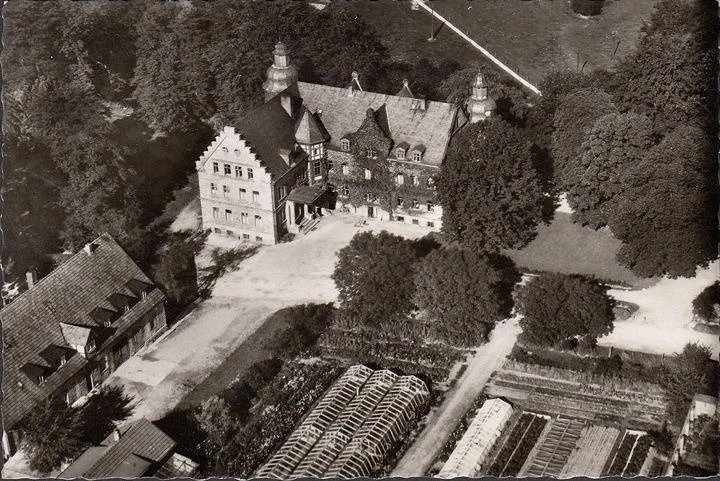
<point x="518" y="445"/>
<point x="590" y="455"/>
<point x="551" y="456"/>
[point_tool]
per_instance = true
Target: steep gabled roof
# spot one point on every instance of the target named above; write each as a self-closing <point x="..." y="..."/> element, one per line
<point x="343" y="113"/>
<point x="270" y="130"/>
<point x="31" y="322"/>
<point x="310" y="129"/>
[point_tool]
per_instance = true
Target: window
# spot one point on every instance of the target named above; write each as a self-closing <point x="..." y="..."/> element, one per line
<point x="224" y="149"/>
<point x="345" y="145"/>
<point x="90" y="346"/>
<point x="344" y="190"/>
<point x="258" y="238"/>
<point x="400" y="201"/>
<point x="230" y="233"/>
<point x="283" y="191"/>
<point x="416" y="156"/>
<point x="63" y="359"/>
<point x="228" y="215"/>
<point x="368" y="174"/>
<point x="250" y="173"/>
<point x="106" y="363"/>
<point x="430" y="207"/>
<point x="400" y="179"/>
<point x="244" y="218"/>
<point x="152" y="324"/>
<point x="41" y="378"/>
<point x="216" y="212"/>
<point x="400" y="153"/>
<point x="430" y="182"/>
<point x="400" y="218"/>
<point x="216" y="167"/>
<point x="226" y="190"/>
<point x="227" y="169"/>
<point x="345" y="169"/>
<point x="216" y="230"/>
<point x="243" y="194"/>
<point x="258" y="221"/>
<point x="246" y="236"/>
<point x="213" y="188"/>
<point x="317" y="169"/>
<point x="256" y="196"/>
<point x="329" y="165"/>
<point x="415" y="221"/>
<point x="316" y="151"/>
<point x="415" y="204"/>
<point x="238" y="171"/>
<point x="370" y="153"/>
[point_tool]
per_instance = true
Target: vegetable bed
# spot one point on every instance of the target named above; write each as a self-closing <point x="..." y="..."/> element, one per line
<point x="518" y="446"/>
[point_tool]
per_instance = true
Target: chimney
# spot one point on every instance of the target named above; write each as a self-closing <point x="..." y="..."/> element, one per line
<point x="31" y="277"/>
<point x="286" y="102"/>
<point x="116" y="435"/>
<point x="90" y="248"/>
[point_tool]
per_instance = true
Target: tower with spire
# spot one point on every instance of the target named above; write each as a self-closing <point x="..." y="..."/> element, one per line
<point x="281" y="73"/>
<point x="480" y="106"/>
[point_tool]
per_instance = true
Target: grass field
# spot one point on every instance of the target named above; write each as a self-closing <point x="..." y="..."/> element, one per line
<point x="531" y="37"/>
<point x="566" y="247"/>
<point x="405" y="32"/>
<point x="539" y="36"/>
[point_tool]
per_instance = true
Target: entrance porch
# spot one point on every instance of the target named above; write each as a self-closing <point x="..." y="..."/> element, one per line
<point x="304" y="206"/>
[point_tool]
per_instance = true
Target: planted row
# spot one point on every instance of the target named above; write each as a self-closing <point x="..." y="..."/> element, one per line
<point x="622" y="455"/>
<point x="518" y="445"/>
<point x="642" y="447"/>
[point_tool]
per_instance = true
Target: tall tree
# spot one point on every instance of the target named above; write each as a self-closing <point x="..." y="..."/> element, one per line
<point x="465" y="293"/>
<point x="577" y="112"/>
<point x="706" y="306"/>
<point x="558" y="307"/>
<point x="374" y="274"/>
<point x="614" y="144"/>
<point x="492" y="195"/>
<point x="52" y="432"/>
<point x="104" y="411"/>
<point x="666" y="211"/>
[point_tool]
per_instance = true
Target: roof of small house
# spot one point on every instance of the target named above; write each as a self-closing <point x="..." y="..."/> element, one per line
<point x="344" y="112"/>
<point x="270" y="130"/>
<point x="140" y="445"/>
<point x="60" y="305"/>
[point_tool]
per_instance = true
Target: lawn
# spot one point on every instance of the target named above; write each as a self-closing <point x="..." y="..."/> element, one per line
<point x="404" y="32"/>
<point x="539" y="36"/>
<point x="566" y="247"/>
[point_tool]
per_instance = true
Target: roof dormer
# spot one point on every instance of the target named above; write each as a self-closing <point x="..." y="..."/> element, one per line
<point x="80" y="338"/>
<point x="417" y="152"/>
<point x="400" y="150"/>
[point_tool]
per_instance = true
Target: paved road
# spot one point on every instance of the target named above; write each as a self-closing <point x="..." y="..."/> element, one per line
<point x="441" y="423"/>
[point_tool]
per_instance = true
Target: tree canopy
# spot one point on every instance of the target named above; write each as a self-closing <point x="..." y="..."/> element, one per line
<point x="706" y="306"/>
<point x="465" y="293"/>
<point x="374" y="277"/>
<point x="492" y="195"/>
<point x="557" y="307"/>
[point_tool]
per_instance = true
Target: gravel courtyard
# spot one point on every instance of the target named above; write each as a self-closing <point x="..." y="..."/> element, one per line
<point x="275" y="277"/>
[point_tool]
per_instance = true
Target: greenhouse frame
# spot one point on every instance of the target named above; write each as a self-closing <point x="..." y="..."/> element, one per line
<point x="351" y="428"/>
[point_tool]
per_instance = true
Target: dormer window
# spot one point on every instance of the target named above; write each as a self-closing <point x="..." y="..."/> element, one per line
<point x="415" y="180"/>
<point x="224" y="149"/>
<point x="416" y="156"/>
<point x="90" y="346"/>
<point x="345" y="145"/>
<point x="62" y="360"/>
<point x="345" y="169"/>
<point x="41" y="378"/>
<point x="400" y="154"/>
<point x="430" y="207"/>
<point x="371" y="153"/>
<point x="430" y="182"/>
<point x="415" y="204"/>
<point x="368" y="174"/>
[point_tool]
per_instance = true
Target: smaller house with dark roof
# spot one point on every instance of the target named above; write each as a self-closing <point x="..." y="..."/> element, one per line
<point x="67" y="333"/>
<point x="137" y="449"/>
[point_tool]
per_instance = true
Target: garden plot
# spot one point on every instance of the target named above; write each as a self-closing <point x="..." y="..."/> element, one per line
<point x="553" y="453"/>
<point x="518" y="445"/>
<point x="631" y="454"/>
<point x="591" y="453"/>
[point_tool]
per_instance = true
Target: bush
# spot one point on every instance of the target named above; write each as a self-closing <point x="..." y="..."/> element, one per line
<point x="588" y="8"/>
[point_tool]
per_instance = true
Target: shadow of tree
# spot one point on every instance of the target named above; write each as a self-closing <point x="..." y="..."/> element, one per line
<point x="223" y="261"/>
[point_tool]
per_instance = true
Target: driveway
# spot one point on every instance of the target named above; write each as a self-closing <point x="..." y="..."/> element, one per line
<point x="278" y="276"/>
<point x="442" y="422"/>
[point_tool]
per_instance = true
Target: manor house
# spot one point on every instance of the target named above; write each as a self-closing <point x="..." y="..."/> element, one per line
<point x="312" y="148"/>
